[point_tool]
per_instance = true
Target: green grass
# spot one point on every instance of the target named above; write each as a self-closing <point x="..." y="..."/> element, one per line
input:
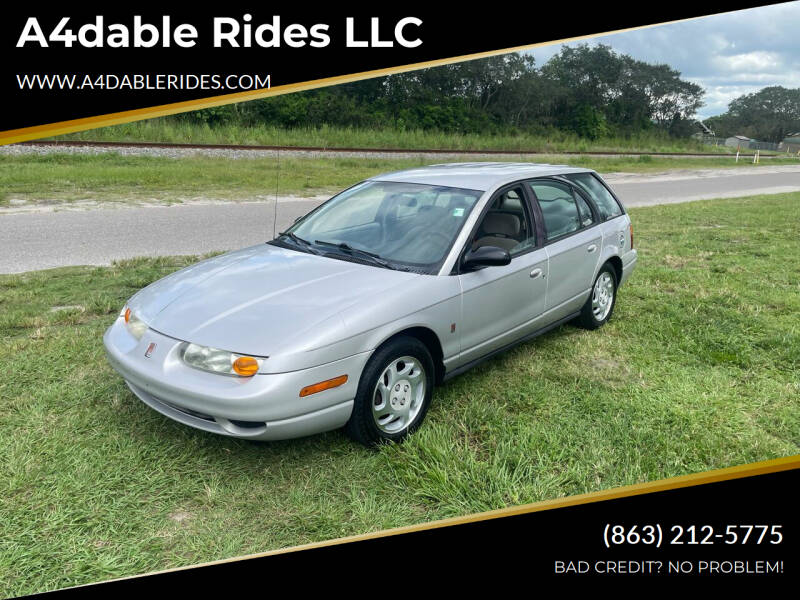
<point x="169" y="130"/>
<point x="111" y="177"/>
<point x="698" y="369"/>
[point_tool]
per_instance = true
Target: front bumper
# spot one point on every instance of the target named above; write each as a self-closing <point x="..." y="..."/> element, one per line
<point x="262" y="407"/>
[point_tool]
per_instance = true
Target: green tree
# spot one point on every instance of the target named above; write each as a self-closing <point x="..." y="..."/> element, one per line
<point x="629" y="93"/>
<point x="590" y="90"/>
<point x="589" y="122"/>
<point x="768" y="114"/>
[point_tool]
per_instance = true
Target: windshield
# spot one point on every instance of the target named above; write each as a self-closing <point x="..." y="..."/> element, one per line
<point x="397" y="224"/>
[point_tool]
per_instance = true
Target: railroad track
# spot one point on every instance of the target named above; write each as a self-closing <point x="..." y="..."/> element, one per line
<point x="160" y="145"/>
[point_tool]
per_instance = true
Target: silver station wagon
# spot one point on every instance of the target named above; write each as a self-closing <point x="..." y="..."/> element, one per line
<point x="353" y="315"/>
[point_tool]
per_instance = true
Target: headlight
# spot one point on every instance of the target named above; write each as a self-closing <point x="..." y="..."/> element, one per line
<point x="220" y="361"/>
<point x="135" y="325"/>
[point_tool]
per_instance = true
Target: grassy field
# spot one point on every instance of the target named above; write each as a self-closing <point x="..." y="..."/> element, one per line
<point x="111" y="177"/>
<point x="698" y="369"/>
<point x="169" y="130"/>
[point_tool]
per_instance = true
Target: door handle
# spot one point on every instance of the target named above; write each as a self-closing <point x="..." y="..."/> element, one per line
<point x="536" y="273"/>
<point x="591" y="248"/>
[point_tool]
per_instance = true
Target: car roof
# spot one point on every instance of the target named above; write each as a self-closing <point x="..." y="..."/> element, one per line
<point x="477" y="175"/>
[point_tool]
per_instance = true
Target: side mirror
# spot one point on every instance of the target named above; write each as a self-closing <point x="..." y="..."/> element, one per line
<point x="486" y="256"/>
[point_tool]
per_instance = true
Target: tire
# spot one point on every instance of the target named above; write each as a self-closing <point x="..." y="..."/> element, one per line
<point x="600" y="305"/>
<point x="394" y="392"/>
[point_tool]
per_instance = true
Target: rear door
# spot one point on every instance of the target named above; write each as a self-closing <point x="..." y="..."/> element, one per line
<point x="572" y="242"/>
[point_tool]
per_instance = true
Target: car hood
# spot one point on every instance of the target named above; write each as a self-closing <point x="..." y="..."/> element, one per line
<point x="262" y="300"/>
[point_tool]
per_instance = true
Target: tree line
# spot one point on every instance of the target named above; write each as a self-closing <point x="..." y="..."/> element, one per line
<point x="767" y="115"/>
<point x="591" y="91"/>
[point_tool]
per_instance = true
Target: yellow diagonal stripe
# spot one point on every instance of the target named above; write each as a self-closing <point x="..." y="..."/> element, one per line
<point x="739" y="472"/>
<point x="13" y="136"/>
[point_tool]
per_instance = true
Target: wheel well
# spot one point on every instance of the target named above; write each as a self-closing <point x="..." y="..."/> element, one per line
<point x="616" y="262"/>
<point x="431" y="341"/>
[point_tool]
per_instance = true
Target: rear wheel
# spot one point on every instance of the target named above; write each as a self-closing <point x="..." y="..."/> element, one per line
<point x="394" y="392"/>
<point x="600" y="304"/>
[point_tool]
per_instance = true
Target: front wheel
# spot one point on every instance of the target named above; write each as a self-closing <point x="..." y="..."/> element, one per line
<point x="393" y="394"/>
<point x="600" y="304"/>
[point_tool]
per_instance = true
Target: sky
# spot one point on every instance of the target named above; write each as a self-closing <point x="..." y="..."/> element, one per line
<point x="728" y="55"/>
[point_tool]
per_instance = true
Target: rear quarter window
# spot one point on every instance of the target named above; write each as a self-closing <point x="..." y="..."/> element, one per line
<point x="605" y="202"/>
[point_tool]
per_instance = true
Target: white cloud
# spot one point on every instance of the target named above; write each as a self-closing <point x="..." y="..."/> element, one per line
<point x="758" y="61"/>
<point x="718" y="97"/>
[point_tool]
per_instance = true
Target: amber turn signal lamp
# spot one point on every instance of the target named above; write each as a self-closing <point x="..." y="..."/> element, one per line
<point x="323" y="385"/>
<point x="246" y="366"/>
<point x="127" y="314"/>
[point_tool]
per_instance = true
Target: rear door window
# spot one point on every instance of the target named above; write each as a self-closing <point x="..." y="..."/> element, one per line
<point x="559" y="207"/>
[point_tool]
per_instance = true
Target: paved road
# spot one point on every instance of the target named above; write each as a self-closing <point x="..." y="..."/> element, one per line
<point x="669" y="189"/>
<point x="41" y="240"/>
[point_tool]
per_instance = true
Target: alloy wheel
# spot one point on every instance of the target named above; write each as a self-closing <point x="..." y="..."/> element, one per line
<point x="399" y="394"/>
<point x="603" y="296"/>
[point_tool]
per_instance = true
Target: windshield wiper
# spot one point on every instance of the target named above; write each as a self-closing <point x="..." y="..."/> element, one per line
<point x="371" y="256"/>
<point x="299" y="241"/>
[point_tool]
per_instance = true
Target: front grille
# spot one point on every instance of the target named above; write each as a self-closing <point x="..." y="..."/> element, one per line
<point x="187" y="411"/>
<point x="248" y="424"/>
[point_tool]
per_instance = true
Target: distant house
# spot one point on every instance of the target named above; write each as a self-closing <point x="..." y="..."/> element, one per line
<point x="738" y="141"/>
<point x="791" y="143"/>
